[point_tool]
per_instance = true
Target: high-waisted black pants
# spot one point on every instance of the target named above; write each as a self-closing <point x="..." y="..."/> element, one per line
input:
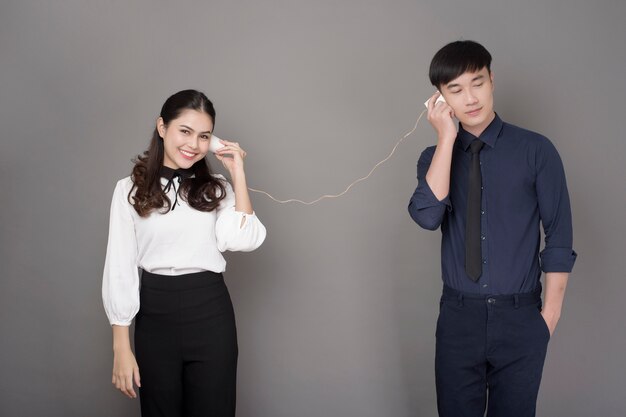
<point x="186" y="346"/>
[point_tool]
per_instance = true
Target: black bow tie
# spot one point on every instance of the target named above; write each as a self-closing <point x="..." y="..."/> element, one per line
<point x="170" y="174"/>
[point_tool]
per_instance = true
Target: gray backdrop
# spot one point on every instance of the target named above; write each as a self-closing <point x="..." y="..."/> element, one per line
<point x="336" y="311"/>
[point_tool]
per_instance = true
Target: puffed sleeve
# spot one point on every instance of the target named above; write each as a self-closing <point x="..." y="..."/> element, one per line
<point x="236" y="230"/>
<point x="120" y="282"/>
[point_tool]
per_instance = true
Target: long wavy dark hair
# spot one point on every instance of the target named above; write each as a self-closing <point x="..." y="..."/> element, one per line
<point x="202" y="192"/>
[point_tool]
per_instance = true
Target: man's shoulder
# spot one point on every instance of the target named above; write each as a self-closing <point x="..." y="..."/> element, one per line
<point x="429" y="150"/>
<point x="528" y="136"/>
<point x="427" y="154"/>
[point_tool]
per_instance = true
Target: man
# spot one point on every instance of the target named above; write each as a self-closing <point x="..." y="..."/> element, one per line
<point x="489" y="186"/>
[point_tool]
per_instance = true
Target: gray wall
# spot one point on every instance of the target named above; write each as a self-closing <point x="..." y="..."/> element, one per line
<point x="336" y="311"/>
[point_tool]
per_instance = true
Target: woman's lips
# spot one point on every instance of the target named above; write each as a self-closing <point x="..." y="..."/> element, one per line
<point x="187" y="154"/>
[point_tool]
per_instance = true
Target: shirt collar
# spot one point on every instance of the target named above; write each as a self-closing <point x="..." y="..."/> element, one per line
<point x="489" y="136"/>
<point x="169" y="173"/>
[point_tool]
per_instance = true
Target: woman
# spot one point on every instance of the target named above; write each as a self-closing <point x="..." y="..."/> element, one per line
<point x="172" y="218"/>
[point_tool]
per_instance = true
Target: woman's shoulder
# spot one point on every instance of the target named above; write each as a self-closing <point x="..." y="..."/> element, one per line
<point x="125" y="183"/>
<point x="123" y="187"/>
<point x="222" y="179"/>
<point x="227" y="187"/>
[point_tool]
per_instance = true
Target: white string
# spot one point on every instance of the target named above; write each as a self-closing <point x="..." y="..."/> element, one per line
<point x="295" y="200"/>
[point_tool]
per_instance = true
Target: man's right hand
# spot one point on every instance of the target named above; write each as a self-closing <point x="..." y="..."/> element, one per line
<point x="440" y="116"/>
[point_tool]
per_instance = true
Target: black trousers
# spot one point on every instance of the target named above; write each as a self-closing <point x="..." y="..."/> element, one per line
<point x="186" y="346"/>
<point x="489" y="346"/>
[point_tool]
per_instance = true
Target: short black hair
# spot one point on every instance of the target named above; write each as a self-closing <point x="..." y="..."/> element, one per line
<point x="457" y="58"/>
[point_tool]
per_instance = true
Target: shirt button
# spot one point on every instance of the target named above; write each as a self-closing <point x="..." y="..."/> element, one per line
<point x="484" y="261"/>
<point x="482" y="188"/>
<point x="491" y="300"/>
<point x="482" y="212"/>
<point x="485" y="285"/>
<point x="483" y="238"/>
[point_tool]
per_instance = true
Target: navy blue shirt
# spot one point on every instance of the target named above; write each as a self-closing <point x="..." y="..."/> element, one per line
<point x="523" y="185"/>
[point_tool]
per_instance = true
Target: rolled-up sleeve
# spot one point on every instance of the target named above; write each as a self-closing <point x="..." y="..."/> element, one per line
<point x="424" y="207"/>
<point x="555" y="211"/>
<point x="236" y="230"/>
<point x="120" y="282"/>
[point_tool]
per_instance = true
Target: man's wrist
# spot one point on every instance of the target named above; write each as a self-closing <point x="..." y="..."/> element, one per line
<point x="446" y="141"/>
<point x="551" y="312"/>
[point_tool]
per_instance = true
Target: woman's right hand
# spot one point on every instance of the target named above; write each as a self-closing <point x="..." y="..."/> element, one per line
<point x="125" y="370"/>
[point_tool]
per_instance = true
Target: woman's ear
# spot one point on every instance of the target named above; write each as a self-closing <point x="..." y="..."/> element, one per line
<point x="160" y="125"/>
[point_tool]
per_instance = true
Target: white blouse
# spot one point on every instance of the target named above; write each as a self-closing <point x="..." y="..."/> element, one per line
<point x="182" y="241"/>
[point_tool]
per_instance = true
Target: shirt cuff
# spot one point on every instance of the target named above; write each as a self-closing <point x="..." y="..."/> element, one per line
<point x="423" y="197"/>
<point x="557" y="259"/>
<point x="121" y="323"/>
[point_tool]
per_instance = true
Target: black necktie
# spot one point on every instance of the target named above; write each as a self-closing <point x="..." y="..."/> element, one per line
<point x="473" y="257"/>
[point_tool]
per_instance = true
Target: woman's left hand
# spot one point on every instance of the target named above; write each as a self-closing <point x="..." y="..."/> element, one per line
<point x="231" y="156"/>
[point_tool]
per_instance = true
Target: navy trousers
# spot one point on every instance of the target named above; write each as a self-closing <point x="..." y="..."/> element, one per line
<point x="186" y="346"/>
<point x="490" y="353"/>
